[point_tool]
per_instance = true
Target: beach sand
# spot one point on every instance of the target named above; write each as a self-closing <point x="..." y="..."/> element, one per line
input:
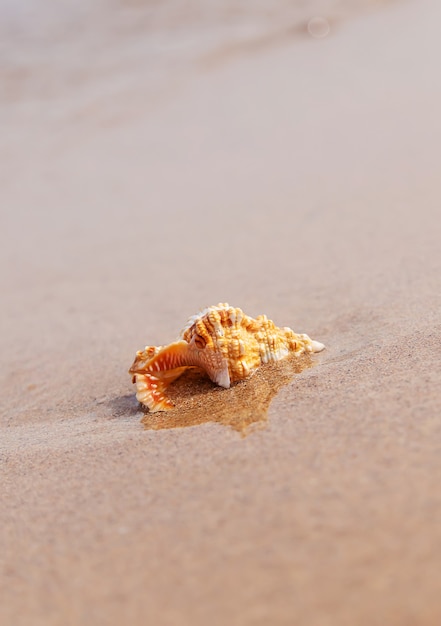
<point x="285" y="174"/>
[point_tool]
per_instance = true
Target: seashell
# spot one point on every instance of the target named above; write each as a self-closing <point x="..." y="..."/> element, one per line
<point x="221" y="341"/>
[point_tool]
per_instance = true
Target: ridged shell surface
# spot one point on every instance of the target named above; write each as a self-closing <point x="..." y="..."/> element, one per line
<point x="221" y="340"/>
<point x="244" y="342"/>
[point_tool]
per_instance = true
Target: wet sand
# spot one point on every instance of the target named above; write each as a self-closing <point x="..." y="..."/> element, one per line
<point x="297" y="178"/>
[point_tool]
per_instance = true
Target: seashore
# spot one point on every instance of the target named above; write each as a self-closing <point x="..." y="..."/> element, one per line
<point x="301" y="179"/>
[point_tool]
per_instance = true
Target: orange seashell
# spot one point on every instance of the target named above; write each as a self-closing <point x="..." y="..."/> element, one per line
<point x="223" y="342"/>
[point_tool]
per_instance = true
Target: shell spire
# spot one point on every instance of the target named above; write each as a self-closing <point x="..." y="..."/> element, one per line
<point x="223" y="342"/>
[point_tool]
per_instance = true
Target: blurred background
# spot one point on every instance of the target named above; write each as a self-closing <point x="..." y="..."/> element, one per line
<point x="138" y="47"/>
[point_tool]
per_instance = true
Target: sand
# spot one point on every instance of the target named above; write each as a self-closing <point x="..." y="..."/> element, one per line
<point x="285" y="174"/>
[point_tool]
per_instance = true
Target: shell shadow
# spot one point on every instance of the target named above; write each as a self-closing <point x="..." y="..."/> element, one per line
<point x="243" y="407"/>
<point x="123" y="406"/>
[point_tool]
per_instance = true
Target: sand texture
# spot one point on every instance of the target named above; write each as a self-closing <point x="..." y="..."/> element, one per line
<point x="166" y="159"/>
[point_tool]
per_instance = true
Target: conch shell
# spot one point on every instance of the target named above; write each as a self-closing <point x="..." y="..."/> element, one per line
<point x="223" y="342"/>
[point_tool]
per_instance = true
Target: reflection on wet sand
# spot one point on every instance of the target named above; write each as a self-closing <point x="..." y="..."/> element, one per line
<point x="243" y="407"/>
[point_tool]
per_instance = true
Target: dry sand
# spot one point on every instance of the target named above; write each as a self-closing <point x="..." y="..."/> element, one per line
<point x="287" y="175"/>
